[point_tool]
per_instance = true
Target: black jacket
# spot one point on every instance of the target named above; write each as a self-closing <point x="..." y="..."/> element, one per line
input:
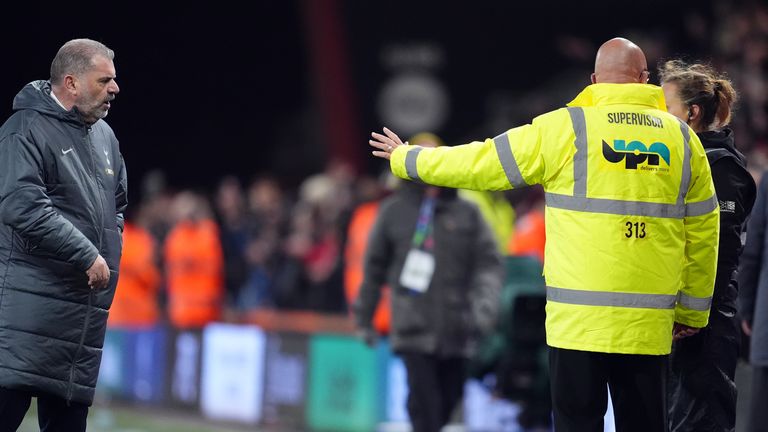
<point x="753" y="277"/>
<point x="464" y="291"/>
<point x="62" y="197"/>
<point x="735" y="189"/>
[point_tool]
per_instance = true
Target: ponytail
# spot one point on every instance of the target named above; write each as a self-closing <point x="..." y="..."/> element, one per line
<point x="726" y="98"/>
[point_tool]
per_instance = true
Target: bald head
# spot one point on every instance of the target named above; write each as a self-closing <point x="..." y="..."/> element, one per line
<point x="620" y="61"/>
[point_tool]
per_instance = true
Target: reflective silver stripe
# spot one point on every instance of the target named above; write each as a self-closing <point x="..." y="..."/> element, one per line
<point x="694" y="303"/>
<point x="702" y="207"/>
<point x="616" y="207"/>
<point x="596" y="298"/>
<point x="685" y="178"/>
<point x="630" y="208"/>
<point x="410" y="162"/>
<point x="698" y="208"/>
<point x="508" y="162"/>
<point x="580" y="157"/>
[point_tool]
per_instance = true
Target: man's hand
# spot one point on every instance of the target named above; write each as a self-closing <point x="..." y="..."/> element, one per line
<point x="386" y="143"/>
<point x="98" y="274"/>
<point x="746" y="327"/>
<point x="680" y="331"/>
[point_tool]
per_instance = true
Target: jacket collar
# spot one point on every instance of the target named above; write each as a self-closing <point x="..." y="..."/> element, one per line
<point x="610" y="94"/>
<point x="37" y="96"/>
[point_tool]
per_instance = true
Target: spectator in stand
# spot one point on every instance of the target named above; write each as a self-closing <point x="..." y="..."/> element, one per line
<point x="233" y="232"/>
<point x="257" y="290"/>
<point x="267" y="209"/>
<point x="290" y="283"/>
<point x="316" y="240"/>
<point x="194" y="264"/>
<point x="156" y="200"/>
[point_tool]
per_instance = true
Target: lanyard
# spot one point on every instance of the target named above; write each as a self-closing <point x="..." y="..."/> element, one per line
<point x="423" y="234"/>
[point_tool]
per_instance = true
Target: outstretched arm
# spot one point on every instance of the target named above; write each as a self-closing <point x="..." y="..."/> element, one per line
<point x="510" y="160"/>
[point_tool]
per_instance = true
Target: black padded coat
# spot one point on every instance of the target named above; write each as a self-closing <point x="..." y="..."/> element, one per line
<point x="62" y="197"/>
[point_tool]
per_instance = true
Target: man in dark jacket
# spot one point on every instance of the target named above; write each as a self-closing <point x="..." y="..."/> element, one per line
<point x="441" y="260"/>
<point x="753" y="298"/>
<point x="62" y="197"/>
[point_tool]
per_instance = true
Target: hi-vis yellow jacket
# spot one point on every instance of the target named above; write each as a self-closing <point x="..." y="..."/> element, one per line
<point x="632" y="219"/>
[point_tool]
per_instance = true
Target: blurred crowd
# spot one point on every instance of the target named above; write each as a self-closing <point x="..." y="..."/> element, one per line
<point x="199" y="255"/>
<point x="740" y="41"/>
<point x="192" y="257"/>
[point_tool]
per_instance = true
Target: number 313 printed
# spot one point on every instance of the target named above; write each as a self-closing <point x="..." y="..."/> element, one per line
<point x="635" y="229"/>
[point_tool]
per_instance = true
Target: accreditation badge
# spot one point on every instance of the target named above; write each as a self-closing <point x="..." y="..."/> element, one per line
<point x="418" y="270"/>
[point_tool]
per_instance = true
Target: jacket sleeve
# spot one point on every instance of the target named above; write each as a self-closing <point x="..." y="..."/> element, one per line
<point x="735" y="190"/>
<point x="702" y="227"/>
<point x="487" y="278"/>
<point x="752" y="258"/>
<point x="512" y="159"/>
<point x="378" y="257"/>
<point x="26" y="208"/>
<point x="121" y="195"/>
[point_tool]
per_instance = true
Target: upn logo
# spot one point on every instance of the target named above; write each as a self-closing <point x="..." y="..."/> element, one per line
<point x="635" y="152"/>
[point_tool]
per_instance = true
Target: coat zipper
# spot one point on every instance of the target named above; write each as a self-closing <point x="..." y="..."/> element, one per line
<point x="100" y="229"/>
<point x="79" y="346"/>
<point x="95" y="180"/>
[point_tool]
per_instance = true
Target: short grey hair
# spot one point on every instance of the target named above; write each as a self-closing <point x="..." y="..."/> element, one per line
<point x="75" y="57"/>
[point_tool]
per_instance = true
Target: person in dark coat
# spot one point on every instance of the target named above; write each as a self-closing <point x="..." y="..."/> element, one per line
<point x="62" y="198"/>
<point x="753" y="298"/>
<point x="440" y="259"/>
<point x="702" y="392"/>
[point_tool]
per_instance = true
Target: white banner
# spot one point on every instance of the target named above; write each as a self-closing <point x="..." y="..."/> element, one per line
<point x="233" y="372"/>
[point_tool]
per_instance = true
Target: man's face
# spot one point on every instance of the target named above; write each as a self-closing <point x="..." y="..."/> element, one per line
<point x="675" y="106"/>
<point x="96" y="88"/>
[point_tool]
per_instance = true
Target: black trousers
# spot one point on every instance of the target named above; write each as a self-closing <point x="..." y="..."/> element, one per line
<point x="581" y="380"/>
<point x="701" y="387"/>
<point x="435" y="386"/>
<point x="53" y="413"/>
<point x="758" y="413"/>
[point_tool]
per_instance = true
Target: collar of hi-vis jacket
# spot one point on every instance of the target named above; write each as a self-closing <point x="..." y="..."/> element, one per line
<point x="609" y="94"/>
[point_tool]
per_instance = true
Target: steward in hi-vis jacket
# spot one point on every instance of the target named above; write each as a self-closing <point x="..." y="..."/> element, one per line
<point x="632" y="227"/>
<point x="632" y="218"/>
